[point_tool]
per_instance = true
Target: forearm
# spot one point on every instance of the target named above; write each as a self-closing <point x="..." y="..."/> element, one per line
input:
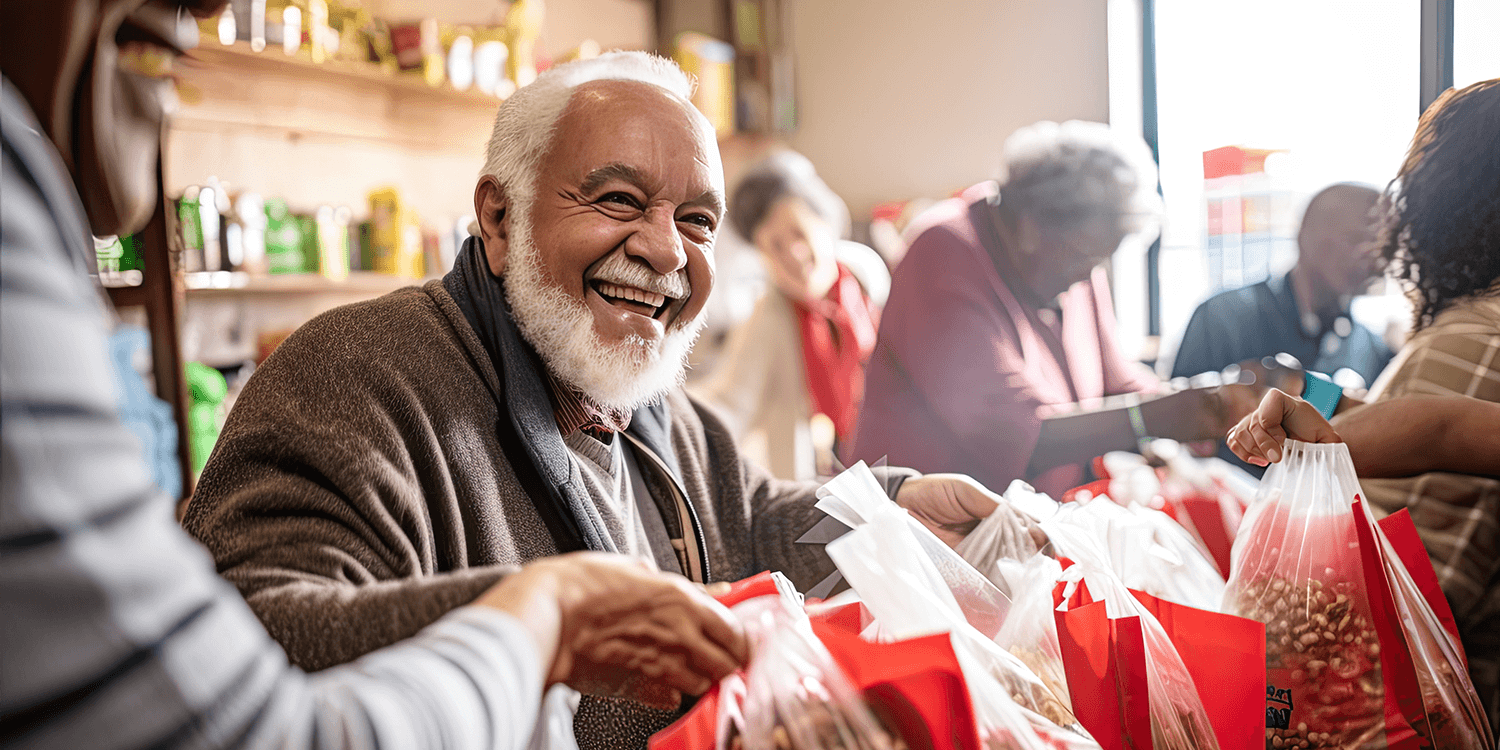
<point x="1408" y="436"/>
<point x="474" y="679"/>
<point x="117" y="632"/>
<point x="1079" y="436"/>
<point x="323" y="623"/>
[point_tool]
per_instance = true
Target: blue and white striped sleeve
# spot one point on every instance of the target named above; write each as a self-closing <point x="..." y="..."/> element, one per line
<point x="115" y="630"/>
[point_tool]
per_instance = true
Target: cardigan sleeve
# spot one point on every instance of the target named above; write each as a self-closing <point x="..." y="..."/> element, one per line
<point x="321" y="499"/>
<point x="756" y="518"/>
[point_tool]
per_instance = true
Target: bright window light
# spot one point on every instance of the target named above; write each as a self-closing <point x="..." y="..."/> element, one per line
<point x="1476" y="41"/>
<point x="1333" y="83"/>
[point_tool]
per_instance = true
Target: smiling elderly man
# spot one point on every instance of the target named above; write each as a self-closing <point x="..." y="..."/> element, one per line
<point x="394" y="458"/>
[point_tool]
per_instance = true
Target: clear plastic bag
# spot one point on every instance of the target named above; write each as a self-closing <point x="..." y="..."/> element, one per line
<point x="1030" y="632"/>
<point x="903" y="589"/>
<point x="1177" y="717"/>
<point x="1147" y="550"/>
<point x="1355" y="655"/>
<point x="1004" y="534"/>
<point x="795" y="696"/>
<point x="855" y="496"/>
<point x="1296" y="567"/>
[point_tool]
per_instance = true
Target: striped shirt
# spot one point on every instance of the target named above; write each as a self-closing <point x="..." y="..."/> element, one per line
<point x="115" y="630"/>
<point x="574" y="411"/>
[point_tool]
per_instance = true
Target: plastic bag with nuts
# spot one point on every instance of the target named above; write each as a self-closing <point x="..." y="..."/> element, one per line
<point x="1355" y="657"/>
<point x="798" y="697"/>
<point x="1030" y="632"/>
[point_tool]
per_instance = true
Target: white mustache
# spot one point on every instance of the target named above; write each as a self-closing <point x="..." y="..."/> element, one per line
<point x="624" y="270"/>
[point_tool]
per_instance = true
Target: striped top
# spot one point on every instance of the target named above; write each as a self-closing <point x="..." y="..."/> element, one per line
<point x="115" y="630"/>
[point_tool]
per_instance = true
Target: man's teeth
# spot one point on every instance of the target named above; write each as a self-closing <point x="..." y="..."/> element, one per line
<point x="650" y="299"/>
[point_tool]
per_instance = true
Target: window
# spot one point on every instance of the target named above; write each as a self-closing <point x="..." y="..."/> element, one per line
<point x="1325" y="90"/>
<point x="1476" y="51"/>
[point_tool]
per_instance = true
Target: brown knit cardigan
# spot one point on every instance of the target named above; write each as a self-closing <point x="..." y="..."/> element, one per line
<point x="374" y="474"/>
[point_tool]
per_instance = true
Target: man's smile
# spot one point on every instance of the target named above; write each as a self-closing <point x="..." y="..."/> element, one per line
<point x="639" y="301"/>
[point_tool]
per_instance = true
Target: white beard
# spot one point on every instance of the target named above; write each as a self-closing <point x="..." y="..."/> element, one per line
<point x="622" y="376"/>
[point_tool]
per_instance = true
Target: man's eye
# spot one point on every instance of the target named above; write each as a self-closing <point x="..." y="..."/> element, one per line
<point x="702" y="220"/>
<point x="622" y="199"/>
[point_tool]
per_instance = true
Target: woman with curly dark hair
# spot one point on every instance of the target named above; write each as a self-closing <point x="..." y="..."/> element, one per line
<point x="1441" y="231"/>
<point x="1440" y="235"/>
<point x="1437" y="413"/>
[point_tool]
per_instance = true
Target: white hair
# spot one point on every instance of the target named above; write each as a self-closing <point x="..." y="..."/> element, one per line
<point x="1071" y="175"/>
<point x="525" y="121"/>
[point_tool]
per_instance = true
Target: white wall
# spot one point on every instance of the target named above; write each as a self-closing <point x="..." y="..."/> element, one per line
<point x="902" y="99"/>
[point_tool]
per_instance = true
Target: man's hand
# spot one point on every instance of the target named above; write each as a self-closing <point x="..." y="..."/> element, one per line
<point x="951" y="505"/>
<point x="609" y="625"/>
<point x="1259" y="437"/>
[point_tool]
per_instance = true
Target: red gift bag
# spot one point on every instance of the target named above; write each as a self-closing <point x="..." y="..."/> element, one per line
<point x="1129" y="685"/>
<point x="904" y="590"/>
<point x="821" y="686"/>
<point x="1224" y="655"/>
<point x="916" y="686"/>
<point x="698" y="729"/>
<point x="1426" y="679"/>
<point x="1403" y="537"/>
<point x="851" y="617"/>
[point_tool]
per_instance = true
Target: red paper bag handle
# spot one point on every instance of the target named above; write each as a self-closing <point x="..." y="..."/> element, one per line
<point x="1403" y="694"/>
<point x="1402" y="534"/>
<point x="1105" y="663"/>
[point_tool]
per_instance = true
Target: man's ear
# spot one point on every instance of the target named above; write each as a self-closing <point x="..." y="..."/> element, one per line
<point x="492" y="206"/>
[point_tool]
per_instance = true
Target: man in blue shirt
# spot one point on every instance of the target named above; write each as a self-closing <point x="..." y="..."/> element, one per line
<point x="1304" y="313"/>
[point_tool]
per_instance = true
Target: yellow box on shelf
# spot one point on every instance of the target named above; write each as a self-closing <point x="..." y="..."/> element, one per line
<point x="395" y="236"/>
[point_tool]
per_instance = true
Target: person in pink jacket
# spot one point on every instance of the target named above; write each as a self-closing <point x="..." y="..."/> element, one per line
<point x="997" y="350"/>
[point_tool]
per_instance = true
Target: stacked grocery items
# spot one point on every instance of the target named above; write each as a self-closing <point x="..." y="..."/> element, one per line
<point x="1331" y="633"/>
<point x="494" y="60"/>
<point x="246" y="232"/>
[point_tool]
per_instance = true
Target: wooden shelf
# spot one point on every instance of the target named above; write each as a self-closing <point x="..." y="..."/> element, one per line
<point x="344" y="72"/>
<point x="228" y="89"/>
<point x="230" y="283"/>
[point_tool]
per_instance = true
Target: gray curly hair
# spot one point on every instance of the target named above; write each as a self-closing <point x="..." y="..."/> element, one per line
<point x="1077" y="174"/>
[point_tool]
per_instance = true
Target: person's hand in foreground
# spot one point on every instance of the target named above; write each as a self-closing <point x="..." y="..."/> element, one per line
<point x="609" y="625"/>
<point x="951" y="505"/>
<point x="1259" y="437"/>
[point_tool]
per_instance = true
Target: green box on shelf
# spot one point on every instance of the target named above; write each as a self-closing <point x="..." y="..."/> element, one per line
<point x="285" y="239"/>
